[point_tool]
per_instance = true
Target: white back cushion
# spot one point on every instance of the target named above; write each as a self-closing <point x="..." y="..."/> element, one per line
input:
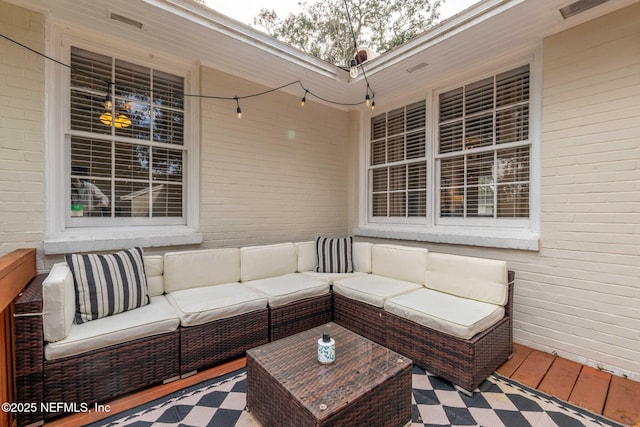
<point x="307" y="258"/>
<point x="399" y="262"/>
<point x="361" y="254"/>
<point x="468" y="277"/>
<point x="154" y="269"/>
<point x="261" y="262"/>
<point x="203" y="267"/>
<point x="59" y="303"/>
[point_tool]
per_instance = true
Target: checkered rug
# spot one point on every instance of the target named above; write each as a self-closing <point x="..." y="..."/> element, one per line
<point x="499" y="402"/>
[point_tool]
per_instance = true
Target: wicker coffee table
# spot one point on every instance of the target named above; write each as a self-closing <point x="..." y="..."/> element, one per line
<point x="367" y="385"/>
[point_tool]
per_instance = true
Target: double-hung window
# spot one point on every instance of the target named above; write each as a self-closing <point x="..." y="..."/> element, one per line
<point x="462" y="169"/>
<point x="126" y="143"/>
<point x="483" y="151"/>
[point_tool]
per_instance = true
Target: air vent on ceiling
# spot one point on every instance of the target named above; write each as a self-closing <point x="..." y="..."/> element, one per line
<point x="579" y="7"/>
<point x="125" y="20"/>
<point x="416" y="67"/>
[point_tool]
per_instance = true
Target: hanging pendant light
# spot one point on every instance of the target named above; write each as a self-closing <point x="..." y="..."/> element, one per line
<point x="117" y="119"/>
<point x="120" y="121"/>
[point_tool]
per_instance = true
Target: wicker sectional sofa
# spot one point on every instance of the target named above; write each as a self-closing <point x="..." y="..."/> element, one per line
<point x="211" y="305"/>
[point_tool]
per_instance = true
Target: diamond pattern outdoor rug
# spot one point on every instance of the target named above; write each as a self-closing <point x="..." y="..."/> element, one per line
<point x="500" y="402"/>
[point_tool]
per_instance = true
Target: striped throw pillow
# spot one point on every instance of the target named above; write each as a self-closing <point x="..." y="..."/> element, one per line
<point x="108" y="284"/>
<point x="334" y="255"/>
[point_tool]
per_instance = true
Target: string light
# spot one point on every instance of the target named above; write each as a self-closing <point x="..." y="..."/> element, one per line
<point x="353" y="72"/>
<point x="238" y="110"/>
<point x="121" y="120"/>
<point x="108" y="104"/>
<point x="368" y="99"/>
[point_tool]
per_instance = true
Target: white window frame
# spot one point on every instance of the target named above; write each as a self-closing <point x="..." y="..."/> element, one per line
<point x="60" y="236"/>
<point x="500" y="233"/>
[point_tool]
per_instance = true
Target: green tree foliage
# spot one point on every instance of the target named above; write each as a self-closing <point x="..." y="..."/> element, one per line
<point x="322" y="27"/>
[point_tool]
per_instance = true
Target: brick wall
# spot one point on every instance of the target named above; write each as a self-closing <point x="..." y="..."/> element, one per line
<point x="21" y="123"/>
<point x="586" y="295"/>
<point x="278" y="174"/>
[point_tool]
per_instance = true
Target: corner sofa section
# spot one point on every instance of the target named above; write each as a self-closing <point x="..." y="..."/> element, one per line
<point x="211" y="305"/>
<point x="450" y="314"/>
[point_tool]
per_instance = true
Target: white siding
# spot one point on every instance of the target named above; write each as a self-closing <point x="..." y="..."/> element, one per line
<point x="21" y="124"/>
<point x="278" y="174"/>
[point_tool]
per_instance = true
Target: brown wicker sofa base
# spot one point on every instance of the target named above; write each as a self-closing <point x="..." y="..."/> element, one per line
<point x="100" y="375"/>
<point x="29" y="350"/>
<point x="299" y="316"/>
<point x="362" y="318"/>
<point x="205" y="345"/>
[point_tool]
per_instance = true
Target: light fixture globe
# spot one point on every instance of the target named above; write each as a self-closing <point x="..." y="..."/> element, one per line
<point x="120" y="121"/>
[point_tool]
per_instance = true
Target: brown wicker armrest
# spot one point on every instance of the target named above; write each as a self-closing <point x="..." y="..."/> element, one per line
<point x="29" y="349"/>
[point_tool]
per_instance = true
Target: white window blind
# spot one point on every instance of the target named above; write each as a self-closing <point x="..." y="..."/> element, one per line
<point x="138" y="165"/>
<point x="484" y="148"/>
<point x="397" y="164"/>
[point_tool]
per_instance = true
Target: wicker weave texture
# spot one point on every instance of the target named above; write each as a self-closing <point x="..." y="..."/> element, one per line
<point x="29" y="349"/>
<point x="299" y="316"/>
<point x="205" y="345"/>
<point x="101" y="375"/>
<point x="361" y="318"/>
<point x="367" y="385"/>
<point x="466" y="363"/>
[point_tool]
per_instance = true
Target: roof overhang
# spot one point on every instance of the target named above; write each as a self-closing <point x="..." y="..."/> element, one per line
<point x="489" y="30"/>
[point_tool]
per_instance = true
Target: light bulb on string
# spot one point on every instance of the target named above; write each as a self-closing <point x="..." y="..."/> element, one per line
<point x="373" y="105"/>
<point x="367" y="99"/>
<point x="353" y="72"/>
<point x="304" y="98"/>
<point x="238" y="110"/>
<point x="108" y="101"/>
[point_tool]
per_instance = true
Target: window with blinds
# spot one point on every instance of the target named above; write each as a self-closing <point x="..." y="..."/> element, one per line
<point x="484" y="148"/>
<point x="398" y="164"/>
<point x="132" y="151"/>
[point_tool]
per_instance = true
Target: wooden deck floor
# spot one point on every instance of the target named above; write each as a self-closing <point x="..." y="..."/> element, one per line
<point x="615" y="397"/>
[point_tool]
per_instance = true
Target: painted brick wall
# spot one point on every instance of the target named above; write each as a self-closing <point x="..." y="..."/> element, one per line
<point x="21" y="124"/>
<point x="579" y="295"/>
<point x="278" y="174"/>
<point x="585" y="296"/>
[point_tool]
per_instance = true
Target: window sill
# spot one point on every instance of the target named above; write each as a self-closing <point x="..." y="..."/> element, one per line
<point x="493" y="238"/>
<point x="96" y="239"/>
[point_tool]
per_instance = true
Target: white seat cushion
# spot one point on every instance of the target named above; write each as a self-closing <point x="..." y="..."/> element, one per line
<point x="202" y="305"/>
<point x="155" y="318"/>
<point x="282" y="290"/>
<point x="460" y="317"/>
<point x="372" y="289"/>
<point x="480" y="279"/>
<point x="332" y="277"/>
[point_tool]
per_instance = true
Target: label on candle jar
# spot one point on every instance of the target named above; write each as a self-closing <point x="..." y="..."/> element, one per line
<point x="326" y="349"/>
